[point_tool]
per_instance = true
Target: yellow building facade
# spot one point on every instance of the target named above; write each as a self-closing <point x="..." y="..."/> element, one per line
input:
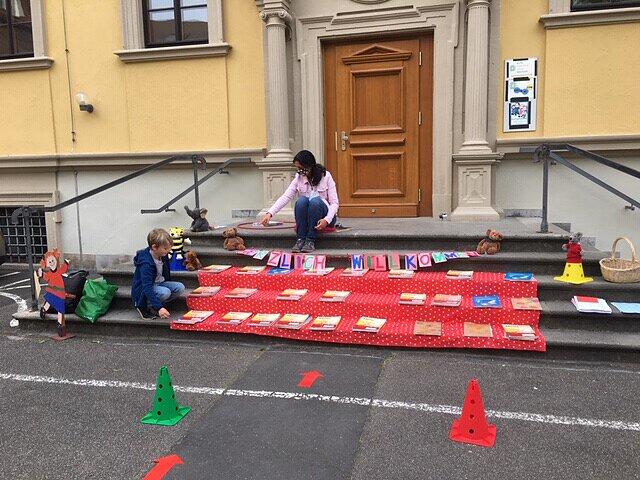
<point x="260" y="86"/>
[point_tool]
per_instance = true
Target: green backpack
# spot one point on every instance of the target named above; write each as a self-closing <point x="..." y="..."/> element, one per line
<point x="96" y="298"/>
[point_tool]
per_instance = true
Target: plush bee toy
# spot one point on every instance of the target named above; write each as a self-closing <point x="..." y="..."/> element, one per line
<point x="177" y="248"/>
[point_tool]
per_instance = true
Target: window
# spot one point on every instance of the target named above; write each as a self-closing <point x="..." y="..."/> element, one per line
<point x="15" y="235"/>
<point x="175" y="22"/>
<point x="16" y="38"/>
<point x="581" y="5"/>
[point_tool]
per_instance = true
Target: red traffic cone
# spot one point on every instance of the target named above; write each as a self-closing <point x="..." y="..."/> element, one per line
<point x="472" y="426"/>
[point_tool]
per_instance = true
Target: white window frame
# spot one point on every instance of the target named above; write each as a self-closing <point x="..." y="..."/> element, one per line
<point x="134" y="49"/>
<point x="561" y="16"/>
<point x="39" y="60"/>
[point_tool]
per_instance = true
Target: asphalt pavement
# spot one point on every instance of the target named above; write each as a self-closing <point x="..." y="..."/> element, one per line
<point x="72" y="410"/>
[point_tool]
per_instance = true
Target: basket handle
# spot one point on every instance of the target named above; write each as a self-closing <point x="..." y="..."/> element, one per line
<point x="633" y="250"/>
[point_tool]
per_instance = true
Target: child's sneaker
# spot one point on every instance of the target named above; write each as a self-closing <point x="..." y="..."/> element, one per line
<point x="145" y="313"/>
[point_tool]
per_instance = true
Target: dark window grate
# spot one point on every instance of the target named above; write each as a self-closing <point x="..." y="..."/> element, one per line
<point x="581" y="5"/>
<point x="16" y="240"/>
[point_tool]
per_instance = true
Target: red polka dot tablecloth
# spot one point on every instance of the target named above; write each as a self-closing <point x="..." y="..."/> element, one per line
<point x="373" y="295"/>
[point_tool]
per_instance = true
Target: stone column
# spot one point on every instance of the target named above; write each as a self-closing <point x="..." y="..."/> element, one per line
<point x="276" y="167"/>
<point x="475" y="161"/>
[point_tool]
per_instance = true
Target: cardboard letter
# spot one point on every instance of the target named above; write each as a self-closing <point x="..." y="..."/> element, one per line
<point x="285" y="261"/>
<point x="320" y="262"/>
<point x="357" y="262"/>
<point x="380" y="263"/>
<point x="308" y="261"/>
<point x="298" y="262"/>
<point x="411" y="261"/>
<point x="394" y="261"/>
<point x="424" y="259"/>
<point x="274" y="259"/>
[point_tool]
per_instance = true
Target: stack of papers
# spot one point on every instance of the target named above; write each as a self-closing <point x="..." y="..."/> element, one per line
<point x="526" y="303"/>
<point x="487" y="301"/>
<point x="319" y="271"/>
<point x="204" y="292"/>
<point x="401" y="273"/>
<point x="263" y="319"/>
<point x="518" y="277"/>
<point x="194" y="316"/>
<point x="413" y="298"/>
<point x="234" y="318"/>
<point x="279" y="271"/>
<point x="477" y="330"/>
<point x="334" y="296"/>
<point x="293" y="321"/>
<point x="241" y="292"/>
<point x="348" y="272"/>
<point x="444" y="300"/>
<point x="216" y="268"/>
<point x="519" y="332"/>
<point x="427" y="328"/>
<point x="249" y="270"/>
<point x="369" y="324"/>
<point x="290" y="294"/>
<point x="460" y="274"/>
<point x="325" y="323"/>
<point x="590" y="304"/>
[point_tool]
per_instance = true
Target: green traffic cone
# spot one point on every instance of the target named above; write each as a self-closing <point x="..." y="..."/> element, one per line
<point x="166" y="410"/>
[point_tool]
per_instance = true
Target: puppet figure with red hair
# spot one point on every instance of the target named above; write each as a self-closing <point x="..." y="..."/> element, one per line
<point x="51" y="269"/>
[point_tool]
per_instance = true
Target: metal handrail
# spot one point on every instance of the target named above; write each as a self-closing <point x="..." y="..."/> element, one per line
<point x="25" y="211"/>
<point x="196" y="183"/>
<point x="547" y="155"/>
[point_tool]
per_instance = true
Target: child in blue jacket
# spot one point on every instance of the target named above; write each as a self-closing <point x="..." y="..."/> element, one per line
<point x="152" y="286"/>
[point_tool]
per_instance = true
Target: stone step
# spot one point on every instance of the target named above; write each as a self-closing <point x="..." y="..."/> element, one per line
<point x="556" y="314"/>
<point x="536" y="262"/>
<point x="127" y="321"/>
<point x="375" y="240"/>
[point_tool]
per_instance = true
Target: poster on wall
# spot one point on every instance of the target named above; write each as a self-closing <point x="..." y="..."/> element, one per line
<point x="520" y="94"/>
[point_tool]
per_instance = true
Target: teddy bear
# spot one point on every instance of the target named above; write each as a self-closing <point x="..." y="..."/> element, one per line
<point x="191" y="261"/>
<point x="573" y="248"/>
<point x="491" y="243"/>
<point x="231" y="240"/>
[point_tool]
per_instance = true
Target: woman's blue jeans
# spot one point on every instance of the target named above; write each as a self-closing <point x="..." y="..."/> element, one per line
<point x="308" y="212"/>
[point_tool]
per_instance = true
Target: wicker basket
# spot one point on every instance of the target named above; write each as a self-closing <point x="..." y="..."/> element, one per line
<point x="619" y="270"/>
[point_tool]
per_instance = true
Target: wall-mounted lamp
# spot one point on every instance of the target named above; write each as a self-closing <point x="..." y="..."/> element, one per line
<point x="83" y="102"/>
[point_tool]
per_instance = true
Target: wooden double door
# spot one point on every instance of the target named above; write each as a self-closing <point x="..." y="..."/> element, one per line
<point x="378" y="125"/>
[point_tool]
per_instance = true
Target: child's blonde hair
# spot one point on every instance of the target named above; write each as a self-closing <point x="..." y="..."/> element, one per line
<point x="159" y="237"/>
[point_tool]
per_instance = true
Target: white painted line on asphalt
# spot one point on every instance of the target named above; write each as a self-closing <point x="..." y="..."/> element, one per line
<point x="366" y="402"/>
<point x="22" y="303"/>
<point x="15" y="288"/>
<point x="9" y="274"/>
<point x="15" y="283"/>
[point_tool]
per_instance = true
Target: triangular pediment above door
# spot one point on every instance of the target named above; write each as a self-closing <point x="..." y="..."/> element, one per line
<point x="376" y="53"/>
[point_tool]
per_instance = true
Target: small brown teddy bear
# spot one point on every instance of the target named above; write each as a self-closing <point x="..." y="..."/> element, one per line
<point x="231" y="240"/>
<point x="191" y="261"/>
<point x="491" y="243"/>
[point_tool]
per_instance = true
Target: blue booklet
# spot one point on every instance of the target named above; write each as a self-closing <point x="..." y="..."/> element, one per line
<point x="518" y="277"/>
<point x="488" y="301"/>
<point x="278" y="271"/>
<point x="627" y="307"/>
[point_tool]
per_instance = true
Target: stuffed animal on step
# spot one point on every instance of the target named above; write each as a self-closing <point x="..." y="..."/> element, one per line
<point x="573" y="271"/>
<point x="200" y="223"/>
<point x="191" y="261"/>
<point x="177" y="248"/>
<point x="573" y="248"/>
<point x="491" y="243"/>
<point x="231" y="239"/>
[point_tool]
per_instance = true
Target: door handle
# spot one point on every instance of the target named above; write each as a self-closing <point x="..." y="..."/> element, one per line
<point x="344" y="138"/>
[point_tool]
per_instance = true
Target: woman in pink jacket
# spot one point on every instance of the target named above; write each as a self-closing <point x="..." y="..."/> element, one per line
<point x="317" y="202"/>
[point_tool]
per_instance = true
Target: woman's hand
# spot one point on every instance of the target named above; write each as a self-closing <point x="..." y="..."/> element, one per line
<point x="322" y="224"/>
<point x="164" y="313"/>
<point x="266" y="219"/>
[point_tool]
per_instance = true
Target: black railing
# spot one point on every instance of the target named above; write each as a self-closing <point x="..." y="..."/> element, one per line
<point x="196" y="183"/>
<point x="548" y="155"/>
<point x="26" y="211"/>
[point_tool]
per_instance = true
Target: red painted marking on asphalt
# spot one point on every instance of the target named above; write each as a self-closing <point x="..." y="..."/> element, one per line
<point x="163" y="466"/>
<point x="308" y="379"/>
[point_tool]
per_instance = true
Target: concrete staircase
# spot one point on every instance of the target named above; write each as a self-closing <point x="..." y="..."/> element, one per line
<point x="522" y="250"/>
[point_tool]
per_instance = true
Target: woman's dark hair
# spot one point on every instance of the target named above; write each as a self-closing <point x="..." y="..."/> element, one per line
<point x="307" y="160"/>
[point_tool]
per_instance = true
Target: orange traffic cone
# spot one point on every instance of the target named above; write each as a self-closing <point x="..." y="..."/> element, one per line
<point x="472" y="426"/>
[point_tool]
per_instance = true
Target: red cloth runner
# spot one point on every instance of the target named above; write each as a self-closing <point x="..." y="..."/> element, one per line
<point x="374" y="295"/>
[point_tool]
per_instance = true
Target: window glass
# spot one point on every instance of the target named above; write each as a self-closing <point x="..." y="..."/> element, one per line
<point x="194" y="24"/>
<point x="162" y="27"/>
<point x="154" y="4"/>
<point x="602" y="4"/>
<point x="5" y="46"/>
<point x="192" y="3"/>
<point x="21" y="10"/>
<point x="23" y="38"/>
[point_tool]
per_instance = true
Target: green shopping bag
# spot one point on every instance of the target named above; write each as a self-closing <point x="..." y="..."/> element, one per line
<point x="96" y="298"/>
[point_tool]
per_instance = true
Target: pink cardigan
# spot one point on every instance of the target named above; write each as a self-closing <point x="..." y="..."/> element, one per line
<point x="300" y="185"/>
